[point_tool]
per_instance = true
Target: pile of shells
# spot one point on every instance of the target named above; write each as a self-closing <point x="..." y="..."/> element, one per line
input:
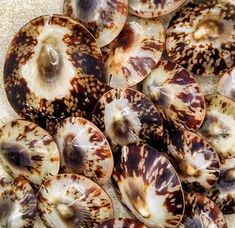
<point x="104" y="92"/>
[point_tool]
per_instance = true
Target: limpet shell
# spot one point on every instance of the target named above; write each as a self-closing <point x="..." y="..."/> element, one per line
<point x="149" y="186"/>
<point x="84" y="149"/>
<point x="69" y="200"/>
<point x="29" y="151"/>
<point x="121" y="223"/>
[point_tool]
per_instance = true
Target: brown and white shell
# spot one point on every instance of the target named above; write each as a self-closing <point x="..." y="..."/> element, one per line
<point x="153" y="8"/>
<point x="226" y="84"/>
<point x="121" y="223"/>
<point x="69" y="200"/>
<point x="176" y="94"/>
<point x="194" y="159"/>
<point x="201" y="212"/>
<point x="135" y="52"/>
<point x="103" y="18"/>
<point x="18" y="204"/>
<point x="201" y="37"/>
<point x="149" y="186"/>
<point x="219" y="125"/>
<point x="51" y="62"/>
<point x="29" y="151"/>
<point x="84" y="149"/>
<point x="127" y="116"/>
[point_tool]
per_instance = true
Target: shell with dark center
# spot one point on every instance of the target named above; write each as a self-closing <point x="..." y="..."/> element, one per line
<point x="121" y="223"/>
<point x="149" y="186"/>
<point x="51" y="62"/>
<point x="153" y="8"/>
<point x="195" y="161"/>
<point x="201" y="212"/>
<point x="29" y="151"/>
<point x="73" y="201"/>
<point x="18" y="204"/>
<point x="135" y="52"/>
<point x="201" y="37"/>
<point x="84" y="149"/>
<point x="176" y="94"/>
<point x="226" y="84"/>
<point x="127" y="116"/>
<point x="219" y="125"/>
<point x="103" y="18"/>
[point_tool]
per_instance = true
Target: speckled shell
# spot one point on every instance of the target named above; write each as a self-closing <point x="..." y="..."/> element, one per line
<point x="149" y="186"/>
<point x="70" y="200"/>
<point x="127" y="116"/>
<point x="29" y="151"/>
<point x="18" y="204"/>
<point x="153" y="8"/>
<point x="202" y="212"/>
<point x="219" y="125"/>
<point x="103" y="18"/>
<point x="226" y="84"/>
<point x="84" y="149"/>
<point x="176" y="94"/>
<point x="197" y="52"/>
<point x="194" y="160"/>
<point x="135" y="52"/>
<point x="121" y="223"/>
<point x="51" y="62"/>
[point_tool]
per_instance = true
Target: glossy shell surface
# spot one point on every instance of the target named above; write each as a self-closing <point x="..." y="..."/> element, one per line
<point x="29" y="151"/>
<point x="121" y="223"/>
<point x="219" y="125"/>
<point x="176" y="94"/>
<point x="201" y="37"/>
<point x="149" y="186"/>
<point x="51" y="62"/>
<point x="70" y="200"/>
<point x="153" y="8"/>
<point x="18" y="204"/>
<point x="135" y="52"/>
<point x="226" y="84"/>
<point x="193" y="158"/>
<point x="127" y="116"/>
<point x="84" y="149"/>
<point x="202" y="212"/>
<point x="103" y="18"/>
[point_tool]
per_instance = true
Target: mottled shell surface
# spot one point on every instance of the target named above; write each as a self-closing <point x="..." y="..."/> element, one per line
<point x="219" y="125"/>
<point x="149" y="186"/>
<point x="53" y="70"/>
<point x="135" y="52"/>
<point x="194" y="159"/>
<point x="29" y="151"/>
<point x="103" y="18"/>
<point x="121" y="223"/>
<point x="84" y="149"/>
<point x="201" y="37"/>
<point x="226" y="84"/>
<point x="153" y="8"/>
<point x="18" y="204"/>
<point x="176" y="94"/>
<point x="73" y="201"/>
<point x="202" y="212"/>
<point x="127" y="116"/>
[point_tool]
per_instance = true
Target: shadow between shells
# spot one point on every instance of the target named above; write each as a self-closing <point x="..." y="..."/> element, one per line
<point x="108" y="94"/>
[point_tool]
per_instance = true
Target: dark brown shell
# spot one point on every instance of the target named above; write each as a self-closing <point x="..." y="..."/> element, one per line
<point x="51" y="62"/>
<point x="103" y="18"/>
<point x="84" y="149"/>
<point x="127" y="116"/>
<point x="121" y="223"/>
<point x="69" y="200"/>
<point x="176" y="94"/>
<point x="148" y="184"/>
<point x="201" y="37"/>
<point x="201" y="212"/>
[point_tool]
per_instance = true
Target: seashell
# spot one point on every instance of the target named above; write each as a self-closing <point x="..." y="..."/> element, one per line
<point x="121" y="223"/>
